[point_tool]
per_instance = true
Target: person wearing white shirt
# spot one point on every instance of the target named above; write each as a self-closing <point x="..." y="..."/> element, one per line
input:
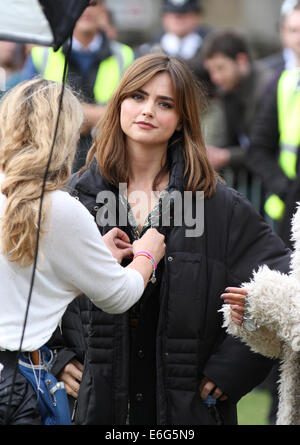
<point x="73" y="258"/>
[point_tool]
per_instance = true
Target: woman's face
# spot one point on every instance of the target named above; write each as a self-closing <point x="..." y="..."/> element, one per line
<point x="149" y="116"/>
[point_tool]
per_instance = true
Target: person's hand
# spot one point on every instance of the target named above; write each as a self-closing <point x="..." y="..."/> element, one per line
<point x="208" y="387"/>
<point x="218" y="157"/>
<point x="152" y="242"/>
<point x="71" y="376"/>
<point x="236" y="297"/>
<point x="118" y="243"/>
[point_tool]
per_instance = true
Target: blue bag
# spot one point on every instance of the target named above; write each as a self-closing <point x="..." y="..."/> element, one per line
<point x="51" y="394"/>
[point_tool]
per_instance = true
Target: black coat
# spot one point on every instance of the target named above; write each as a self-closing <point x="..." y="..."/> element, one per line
<point x="24" y="408"/>
<point x="190" y="341"/>
<point x="262" y="156"/>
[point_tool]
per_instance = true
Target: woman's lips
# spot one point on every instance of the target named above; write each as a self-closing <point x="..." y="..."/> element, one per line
<point x="145" y="125"/>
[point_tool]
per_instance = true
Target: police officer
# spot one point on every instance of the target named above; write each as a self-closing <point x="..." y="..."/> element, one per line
<point x="274" y="149"/>
<point x="95" y="69"/>
<point x="182" y="35"/>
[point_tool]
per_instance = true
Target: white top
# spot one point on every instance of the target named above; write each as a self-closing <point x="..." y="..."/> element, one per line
<point x="289" y="58"/>
<point x="72" y="259"/>
<point x="185" y="47"/>
<point x="93" y="46"/>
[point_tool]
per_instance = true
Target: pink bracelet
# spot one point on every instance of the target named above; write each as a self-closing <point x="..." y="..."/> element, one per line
<point x="150" y="257"/>
<point x="142" y="252"/>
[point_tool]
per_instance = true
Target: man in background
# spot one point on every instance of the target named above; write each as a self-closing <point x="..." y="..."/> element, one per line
<point x="289" y="36"/>
<point x="274" y="149"/>
<point x="240" y="84"/>
<point x="183" y="33"/>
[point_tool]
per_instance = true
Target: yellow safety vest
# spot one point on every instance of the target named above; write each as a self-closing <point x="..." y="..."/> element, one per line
<point x="288" y="105"/>
<point x="50" y="65"/>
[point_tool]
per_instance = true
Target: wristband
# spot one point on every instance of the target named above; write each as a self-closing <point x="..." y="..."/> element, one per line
<point x="150" y="258"/>
<point x="148" y="255"/>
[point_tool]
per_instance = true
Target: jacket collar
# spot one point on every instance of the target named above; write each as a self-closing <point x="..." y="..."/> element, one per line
<point x="92" y="182"/>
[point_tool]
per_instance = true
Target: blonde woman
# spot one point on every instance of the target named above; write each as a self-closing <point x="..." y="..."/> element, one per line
<point x="73" y="257"/>
<point x="157" y="363"/>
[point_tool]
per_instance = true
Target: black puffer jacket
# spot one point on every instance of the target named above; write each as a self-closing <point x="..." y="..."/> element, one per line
<point x="23" y="409"/>
<point x="190" y="340"/>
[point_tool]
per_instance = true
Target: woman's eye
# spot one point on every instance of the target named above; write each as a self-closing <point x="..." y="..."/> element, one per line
<point x="166" y="105"/>
<point x="137" y="96"/>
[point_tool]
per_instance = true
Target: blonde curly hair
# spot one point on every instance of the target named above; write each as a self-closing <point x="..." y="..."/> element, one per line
<point x="28" y="115"/>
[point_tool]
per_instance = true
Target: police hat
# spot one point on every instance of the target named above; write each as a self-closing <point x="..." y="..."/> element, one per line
<point x="288" y="6"/>
<point x="181" y="6"/>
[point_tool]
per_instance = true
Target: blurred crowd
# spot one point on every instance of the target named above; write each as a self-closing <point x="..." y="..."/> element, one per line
<point x="250" y="117"/>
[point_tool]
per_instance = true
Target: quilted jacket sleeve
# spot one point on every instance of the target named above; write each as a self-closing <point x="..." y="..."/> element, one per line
<point x="71" y="345"/>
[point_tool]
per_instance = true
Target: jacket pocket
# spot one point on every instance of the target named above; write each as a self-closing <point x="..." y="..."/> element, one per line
<point x="189" y="409"/>
<point x="187" y="274"/>
<point x="187" y="295"/>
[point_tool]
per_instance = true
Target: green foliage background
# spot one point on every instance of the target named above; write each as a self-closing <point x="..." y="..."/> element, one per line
<point x="253" y="409"/>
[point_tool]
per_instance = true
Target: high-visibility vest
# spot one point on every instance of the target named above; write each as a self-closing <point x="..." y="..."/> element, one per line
<point x="50" y="65"/>
<point x="288" y="105"/>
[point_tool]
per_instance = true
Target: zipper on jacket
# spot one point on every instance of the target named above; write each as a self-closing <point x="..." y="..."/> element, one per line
<point x="74" y="410"/>
<point x="160" y="333"/>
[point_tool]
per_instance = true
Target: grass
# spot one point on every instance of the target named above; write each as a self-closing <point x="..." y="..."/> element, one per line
<point x="253" y="409"/>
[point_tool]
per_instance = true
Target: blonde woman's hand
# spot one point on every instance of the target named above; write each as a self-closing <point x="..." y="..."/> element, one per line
<point x="236" y="297"/>
<point x="152" y="242"/>
<point x="118" y="243"/>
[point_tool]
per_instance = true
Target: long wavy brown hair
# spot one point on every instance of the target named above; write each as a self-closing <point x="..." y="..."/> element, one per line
<point x="109" y="147"/>
<point x="27" y="121"/>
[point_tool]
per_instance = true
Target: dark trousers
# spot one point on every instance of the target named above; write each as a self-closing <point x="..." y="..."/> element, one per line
<point x="23" y="408"/>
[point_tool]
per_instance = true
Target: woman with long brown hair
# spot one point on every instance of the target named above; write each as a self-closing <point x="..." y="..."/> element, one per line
<point x="148" y="167"/>
<point x="70" y="250"/>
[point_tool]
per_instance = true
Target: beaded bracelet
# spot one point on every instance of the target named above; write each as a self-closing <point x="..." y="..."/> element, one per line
<point x="150" y="257"/>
